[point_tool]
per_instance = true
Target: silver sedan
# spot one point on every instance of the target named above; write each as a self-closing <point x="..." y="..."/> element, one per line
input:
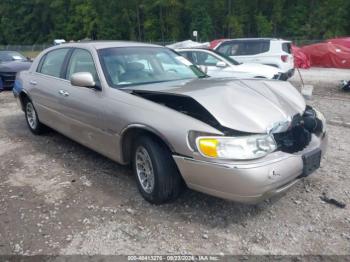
<point x="144" y="105"/>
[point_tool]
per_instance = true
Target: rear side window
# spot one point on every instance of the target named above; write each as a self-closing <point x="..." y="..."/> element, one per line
<point x="240" y="48"/>
<point x="81" y="61"/>
<point x="287" y="47"/>
<point x="224" y="49"/>
<point x="204" y="58"/>
<point x="189" y="56"/>
<point x="52" y="62"/>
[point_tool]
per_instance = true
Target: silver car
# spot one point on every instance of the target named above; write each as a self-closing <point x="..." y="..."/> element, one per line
<point x="142" y="104"/>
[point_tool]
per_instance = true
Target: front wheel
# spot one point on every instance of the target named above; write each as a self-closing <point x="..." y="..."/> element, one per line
<point x="157" y="177"/>
<point x="32" y="119"/>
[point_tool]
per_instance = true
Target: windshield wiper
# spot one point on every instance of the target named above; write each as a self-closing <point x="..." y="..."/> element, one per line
<point x="205" y="76"/>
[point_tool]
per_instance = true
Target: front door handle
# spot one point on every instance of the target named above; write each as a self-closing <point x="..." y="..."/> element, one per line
<point x="32" y="82"/>
<point x="63" y="93"/>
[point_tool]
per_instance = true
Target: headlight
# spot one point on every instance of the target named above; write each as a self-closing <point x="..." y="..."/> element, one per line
<point x="244" y="147"/>
<point x="320" y="116"/>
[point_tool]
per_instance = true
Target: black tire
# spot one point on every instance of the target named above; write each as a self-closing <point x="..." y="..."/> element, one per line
<point x="37" y="128"/>
<point x="168" y="183"/>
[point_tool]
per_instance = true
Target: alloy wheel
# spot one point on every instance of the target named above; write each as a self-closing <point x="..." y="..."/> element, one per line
<point x="144" y="169"/>
<point x="31" y="116"/>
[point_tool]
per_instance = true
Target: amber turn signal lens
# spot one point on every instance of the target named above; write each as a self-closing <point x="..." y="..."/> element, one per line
<point x="208" y="146"/>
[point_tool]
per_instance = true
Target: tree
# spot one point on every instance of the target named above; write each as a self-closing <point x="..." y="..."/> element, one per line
<point x="234" y="27"/>
<point x="200" y="19"/>
<point x="41" y="21"/>
<point x="277" y="15"/>
<point x="264" y="26"/>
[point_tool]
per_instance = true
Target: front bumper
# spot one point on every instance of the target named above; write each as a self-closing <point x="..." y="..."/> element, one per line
<point x="247" y="181"/>
<point x="7" y="80"/>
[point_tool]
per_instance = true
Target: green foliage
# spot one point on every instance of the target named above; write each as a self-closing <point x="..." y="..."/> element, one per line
<point x="41" y="21"/>
<point x="263" y="25"/>
<point x="200" y="19"/>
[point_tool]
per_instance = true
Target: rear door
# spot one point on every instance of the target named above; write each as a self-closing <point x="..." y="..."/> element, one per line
<point x="44" y="85"/>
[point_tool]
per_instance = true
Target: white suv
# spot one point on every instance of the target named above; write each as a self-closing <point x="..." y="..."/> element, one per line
<point x="267" y="51"/>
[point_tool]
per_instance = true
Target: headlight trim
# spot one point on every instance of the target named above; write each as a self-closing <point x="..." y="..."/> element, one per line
<point x="236" y="148"/>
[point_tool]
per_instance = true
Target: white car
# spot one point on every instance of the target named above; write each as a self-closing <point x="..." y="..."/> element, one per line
<point x="267" y="51"/>
<point x="218" y="65"/>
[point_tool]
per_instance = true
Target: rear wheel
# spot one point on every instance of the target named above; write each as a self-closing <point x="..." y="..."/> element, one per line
<point x="157" y="177"/>
<point x="35" y="126"/>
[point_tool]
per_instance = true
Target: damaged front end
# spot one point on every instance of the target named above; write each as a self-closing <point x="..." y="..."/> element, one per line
<point x="244" y="140"/>
<point x="187" y="106"/>
<point x="299" y="134"/>
<point x="272" y="119"/>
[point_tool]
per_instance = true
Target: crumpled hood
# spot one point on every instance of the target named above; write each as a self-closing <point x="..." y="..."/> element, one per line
<point x="15" y="66"/>
<point x="251" y="105"/>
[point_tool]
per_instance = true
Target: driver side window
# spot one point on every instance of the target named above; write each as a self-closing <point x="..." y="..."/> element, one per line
<point x="81" y="61"/>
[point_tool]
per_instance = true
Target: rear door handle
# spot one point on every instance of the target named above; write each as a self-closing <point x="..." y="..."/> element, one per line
<point x="63" y="93"/>
<point x="32" y="82"/>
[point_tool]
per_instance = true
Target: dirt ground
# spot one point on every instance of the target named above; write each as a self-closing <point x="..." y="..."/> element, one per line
<point x="57" y="197"/>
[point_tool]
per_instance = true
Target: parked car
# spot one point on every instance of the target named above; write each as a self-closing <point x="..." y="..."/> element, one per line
<point x="243" y="140"/>
<point x="59" y="41"/>
<point x="11" y="63"/>
<point x="267" y="51"/>
<point x="218" y="65"/>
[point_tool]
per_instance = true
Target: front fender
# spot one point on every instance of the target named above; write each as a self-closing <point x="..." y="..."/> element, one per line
<point x="148" y="129"/>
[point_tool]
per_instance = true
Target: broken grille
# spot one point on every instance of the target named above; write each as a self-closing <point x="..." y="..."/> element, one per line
<point x="300" y="133"/>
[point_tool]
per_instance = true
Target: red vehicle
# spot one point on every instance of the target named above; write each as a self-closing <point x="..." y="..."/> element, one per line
<point x="328" y="55"/>
<point x="343" y="41"/>
<point x="216" y="42"/>
<point x="300" y="59"/>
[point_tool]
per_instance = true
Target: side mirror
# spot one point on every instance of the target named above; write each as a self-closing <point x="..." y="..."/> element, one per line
<point x="221" y="64"/>
<point x="83" y="79"/>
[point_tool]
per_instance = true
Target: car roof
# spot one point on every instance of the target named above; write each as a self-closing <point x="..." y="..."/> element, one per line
<point x="255" y="39"/>
<point x="106" y="44"/>
<point x="258" y="38"/>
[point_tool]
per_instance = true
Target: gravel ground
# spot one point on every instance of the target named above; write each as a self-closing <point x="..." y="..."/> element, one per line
<point x="71" y="200"/>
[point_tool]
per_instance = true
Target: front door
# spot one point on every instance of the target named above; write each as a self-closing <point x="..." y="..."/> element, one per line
<point x="84" y="107"/>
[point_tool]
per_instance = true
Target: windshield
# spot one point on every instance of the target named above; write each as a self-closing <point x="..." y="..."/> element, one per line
<point x="10" y="56"/>
<point x="124" y="66"/>
<point x="230" y="59"/>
